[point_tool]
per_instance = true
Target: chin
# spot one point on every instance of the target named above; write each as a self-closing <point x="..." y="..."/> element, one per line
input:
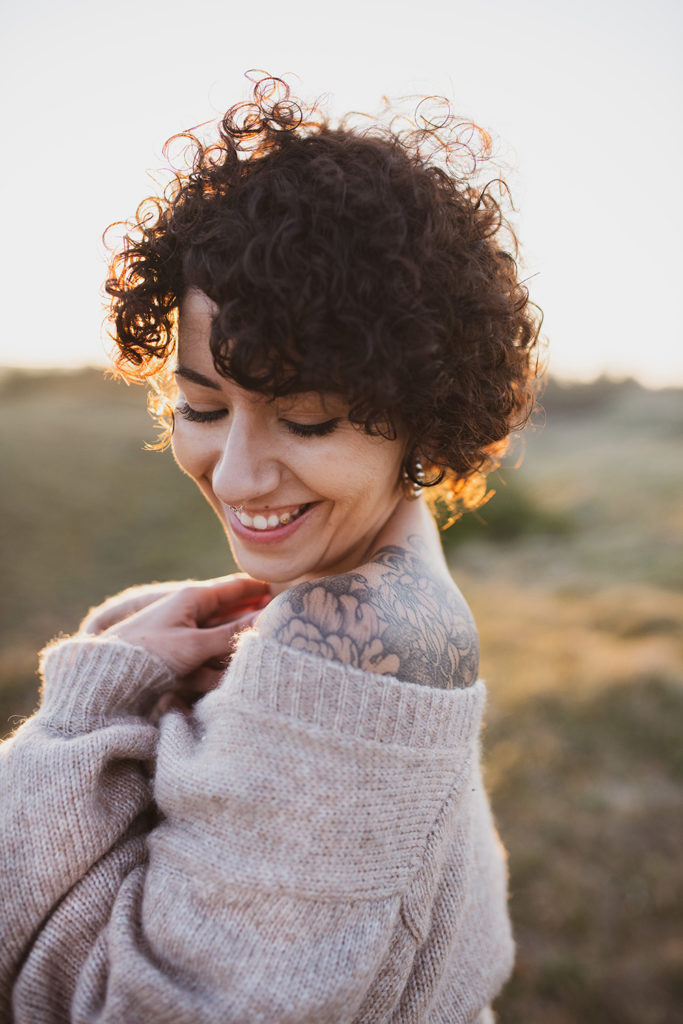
<point x="259" y="569"/>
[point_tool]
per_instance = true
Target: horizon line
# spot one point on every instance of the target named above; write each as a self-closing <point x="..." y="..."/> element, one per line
<point x="564" y="380"/>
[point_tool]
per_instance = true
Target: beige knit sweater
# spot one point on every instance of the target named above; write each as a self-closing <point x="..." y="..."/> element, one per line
<point x="313" y="845"/>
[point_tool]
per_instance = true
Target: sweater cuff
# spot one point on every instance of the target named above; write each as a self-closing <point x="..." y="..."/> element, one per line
<point x="87" y="682"/>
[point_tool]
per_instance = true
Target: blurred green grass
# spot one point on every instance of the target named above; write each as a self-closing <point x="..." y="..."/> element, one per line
<point x="574" y="571"/>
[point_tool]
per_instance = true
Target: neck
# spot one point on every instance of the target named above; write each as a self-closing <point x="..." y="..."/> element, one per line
<point x="413" y="523"/>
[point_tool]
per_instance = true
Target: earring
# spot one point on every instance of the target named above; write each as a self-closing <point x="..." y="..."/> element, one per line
<point x="412" y="485"/>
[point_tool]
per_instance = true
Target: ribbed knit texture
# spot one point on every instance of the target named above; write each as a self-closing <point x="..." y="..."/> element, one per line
<point x="313" y="845"/>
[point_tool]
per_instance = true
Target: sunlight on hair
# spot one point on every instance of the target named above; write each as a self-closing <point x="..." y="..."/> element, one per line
<point x="450" y="332"/>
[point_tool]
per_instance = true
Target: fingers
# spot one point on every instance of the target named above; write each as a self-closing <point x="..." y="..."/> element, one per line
<point x="246" y="620"/>
<point x="93" y="624"/>
<point x="227" y="594"/>
<point x="127" y="603"/>
<point x="203" y="645"/>
<point x="190" y="627"/>
<point x="218" y="600"/>
<point x="249" y="610"/>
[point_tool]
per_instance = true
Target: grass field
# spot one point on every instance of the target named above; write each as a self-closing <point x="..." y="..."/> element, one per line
<point x="575" y="574"/>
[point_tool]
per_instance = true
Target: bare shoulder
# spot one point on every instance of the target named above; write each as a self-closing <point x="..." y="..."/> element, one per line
<point x="393" y="616"/>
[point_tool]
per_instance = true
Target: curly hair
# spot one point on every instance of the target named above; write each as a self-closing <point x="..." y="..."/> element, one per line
<point x="360" y="259"/>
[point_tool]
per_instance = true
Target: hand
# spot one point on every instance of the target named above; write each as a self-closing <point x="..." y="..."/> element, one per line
<point x="129" y="601"/>
<point x="192" y="627"/>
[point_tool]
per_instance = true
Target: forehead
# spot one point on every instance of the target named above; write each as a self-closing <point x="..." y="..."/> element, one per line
<point x="197" y="312"/>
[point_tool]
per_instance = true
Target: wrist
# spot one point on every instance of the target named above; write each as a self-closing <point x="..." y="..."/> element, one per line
<point x="88" y="681"/>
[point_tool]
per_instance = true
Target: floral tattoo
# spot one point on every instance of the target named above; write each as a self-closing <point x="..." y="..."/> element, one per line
<point x="406" y="623"/>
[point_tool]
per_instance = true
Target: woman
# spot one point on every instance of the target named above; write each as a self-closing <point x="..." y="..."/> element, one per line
<point x="311" y="840"/>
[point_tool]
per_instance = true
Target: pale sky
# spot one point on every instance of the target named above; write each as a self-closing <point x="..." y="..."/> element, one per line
<point x="584" y="100"/>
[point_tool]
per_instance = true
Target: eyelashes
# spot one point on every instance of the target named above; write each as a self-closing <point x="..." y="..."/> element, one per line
<point x="195" y="416"/>
<point x="298" y="429"/>
<point x="311" y="429"/>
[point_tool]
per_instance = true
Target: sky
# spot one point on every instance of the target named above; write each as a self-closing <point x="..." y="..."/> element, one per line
<point x="583" y="100"/>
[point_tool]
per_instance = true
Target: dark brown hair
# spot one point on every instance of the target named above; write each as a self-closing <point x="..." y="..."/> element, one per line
<point x="360" y="259"/>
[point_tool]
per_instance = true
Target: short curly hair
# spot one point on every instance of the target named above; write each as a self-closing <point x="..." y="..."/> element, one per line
<point x="360" y="259"/>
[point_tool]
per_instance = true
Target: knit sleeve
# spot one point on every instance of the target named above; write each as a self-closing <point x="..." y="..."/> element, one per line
<point x="293" y="871"/>
<point x="75" y="784"/>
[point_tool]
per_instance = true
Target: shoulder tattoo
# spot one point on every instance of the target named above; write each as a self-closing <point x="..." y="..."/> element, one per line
<point x="399" y="620"/>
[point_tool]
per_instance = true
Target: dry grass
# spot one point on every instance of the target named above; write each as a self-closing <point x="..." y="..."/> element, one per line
<point x="582" y="641"/>
<point x="585" y="766"/>
<point x="574" y="573"/>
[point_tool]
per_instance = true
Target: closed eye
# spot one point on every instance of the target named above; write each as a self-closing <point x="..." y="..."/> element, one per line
<point x="311" y="429"/>
<point x="298" y="429"/>
<point x="195" y="416"/>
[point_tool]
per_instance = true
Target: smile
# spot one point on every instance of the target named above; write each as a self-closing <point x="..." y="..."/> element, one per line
<point x="273" y="521"/>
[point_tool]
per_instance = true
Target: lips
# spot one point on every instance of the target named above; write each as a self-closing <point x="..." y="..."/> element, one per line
<point x="260" y="532"/>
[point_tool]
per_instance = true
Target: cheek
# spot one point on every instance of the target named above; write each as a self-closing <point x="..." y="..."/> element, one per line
<point x="371" y="472"/>
<point x="192" y="457"/>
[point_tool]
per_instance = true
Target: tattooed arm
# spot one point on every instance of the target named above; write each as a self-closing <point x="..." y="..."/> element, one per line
<point x="392" y="616"/>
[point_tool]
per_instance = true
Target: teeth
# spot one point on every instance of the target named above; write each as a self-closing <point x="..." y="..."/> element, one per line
<point x="271" y="522"/>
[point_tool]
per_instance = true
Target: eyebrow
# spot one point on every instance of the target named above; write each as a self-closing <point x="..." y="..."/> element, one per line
<point x="196" y="377"/>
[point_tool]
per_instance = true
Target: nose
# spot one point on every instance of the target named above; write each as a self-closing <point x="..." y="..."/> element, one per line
<point x="246" y="469"/>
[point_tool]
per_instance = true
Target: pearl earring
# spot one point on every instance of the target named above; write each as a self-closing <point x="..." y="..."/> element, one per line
<point x="412" y="485"/>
